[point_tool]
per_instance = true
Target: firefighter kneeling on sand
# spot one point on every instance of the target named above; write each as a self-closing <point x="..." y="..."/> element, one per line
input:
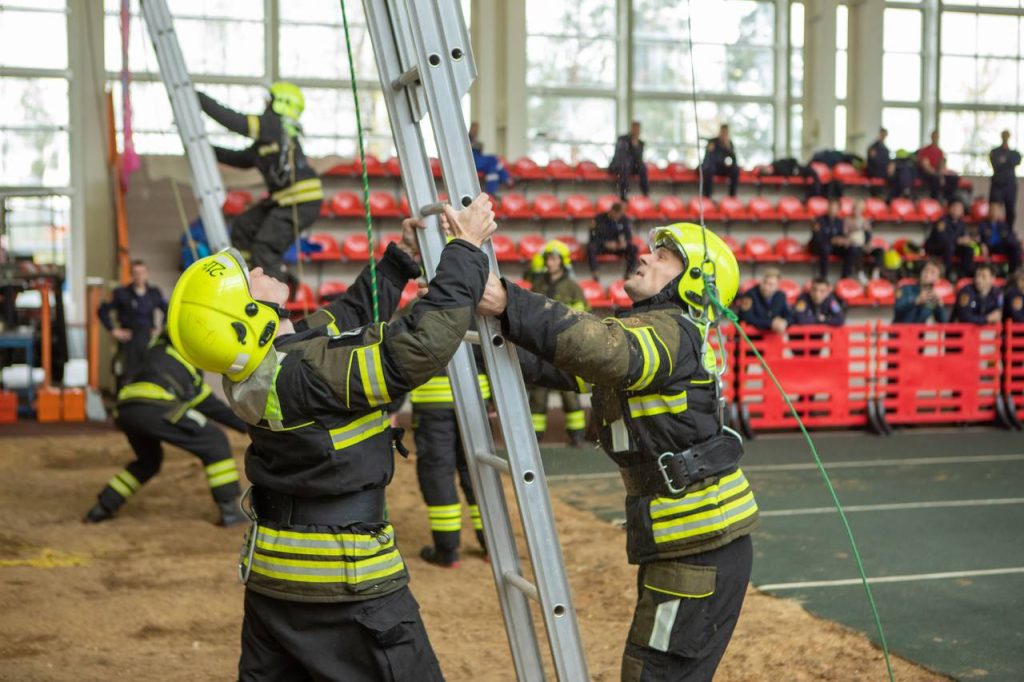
<point x="326" y="588"/>
<point x="656" y="399"/>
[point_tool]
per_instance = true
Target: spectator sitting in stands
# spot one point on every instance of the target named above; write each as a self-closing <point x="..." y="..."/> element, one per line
<point x="931" y="162"/>
<point x="628" y="161"/>
<point x="612" y="232"/>
<point x="857" y="228"/>
<point x="980" y="302"/>
<point x="998" y="236"/>
<point x="878" y="162"/>
<point x="1013" y="298"/>
<point x="720" y="159"/>
<point x="495" y="173"/>
<point x="918" y="303"/>
<point x="818" y="306"/>
<point x="791" y="168"/>
<point x="948" y="238"/>
<point x="902" y="174"/>
<point x="763" y="306"/>
<point x="828" y="236"/>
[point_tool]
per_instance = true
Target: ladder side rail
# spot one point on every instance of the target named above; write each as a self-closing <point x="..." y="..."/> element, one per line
<point x="471" y="412"/>
<point x="459" y="171"/>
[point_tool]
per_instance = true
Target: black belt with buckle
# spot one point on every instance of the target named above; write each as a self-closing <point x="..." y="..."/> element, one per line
<point x="671" y="472"/>
<point x="364" y="506"/>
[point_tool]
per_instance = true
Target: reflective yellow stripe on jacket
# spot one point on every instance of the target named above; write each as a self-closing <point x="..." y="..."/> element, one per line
<point x="655" y="403"/>
<point x="371" y="369"/>
<point x="145" y="390"/>
<point x="703" y="512"/>
<point x="299" y="192"/>
<point x="439" y="390"/>
<point x="359" y="430"/>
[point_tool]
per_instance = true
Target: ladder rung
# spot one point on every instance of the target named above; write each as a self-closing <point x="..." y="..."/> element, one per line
<point x="436" y="208"/>
<point x="522" y="584"/>
<point x="494" y="461"/>
<point x="473" y="337"/>
<point x="409" y="77"/>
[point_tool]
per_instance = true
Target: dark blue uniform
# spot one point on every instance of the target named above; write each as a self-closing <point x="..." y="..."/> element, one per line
<point x="1013" y="304"/>
<point x="878" y="160"/>
<point x="972" y="307"/>
<point x="806" y="311"/>
<point x="942" y="244"/>
<point x="134" y="312"/>
<point x="609" y="229"/>
<point x="908" y="310"/>
<point x="757" y="312"/>
<point x="627" y="161"/>
<point x="821" y="244"/>
<point x="720" y="159"/>
<point x="1004" y="179"/>
<point x="1000" y="238"/>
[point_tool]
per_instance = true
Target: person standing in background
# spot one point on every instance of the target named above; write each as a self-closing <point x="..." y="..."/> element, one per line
<point x="135" y="307"/>
<point x="1003" y="189"/>
<point x="628" y="161"/>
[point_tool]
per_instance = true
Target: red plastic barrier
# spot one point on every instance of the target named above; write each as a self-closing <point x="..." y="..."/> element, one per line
<point x="824" y="370"/>
<point x="1013" y="361"/>
<point x="936" y="374"/>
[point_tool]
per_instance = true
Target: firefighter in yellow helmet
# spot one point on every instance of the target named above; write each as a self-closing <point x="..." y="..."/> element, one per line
<point x="657" y="402"/>
<point x="265" y="231"/>
<point x="326" y="587"/>
<point x="551" y="274"/>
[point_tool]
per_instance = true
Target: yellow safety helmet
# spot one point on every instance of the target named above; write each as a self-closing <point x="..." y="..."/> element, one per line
<point x="689" y="239"/>
<point x="288" y="100"/>
<point x="892" y="260"/>
<point x="214" y="321"/>
<point x="559" y="247"/>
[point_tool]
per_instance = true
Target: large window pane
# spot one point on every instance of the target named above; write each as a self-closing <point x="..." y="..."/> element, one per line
<point x="561" y="60"/>
<point x="668" y="129"/>
<point x="901" y="77"/>
<point x="902" y="30"/>
<point x="571" y="17"/>
<point x="37" y="228"/>
<point x="33" y="102"/>
<point x="574" y="121"/>
<point x="904" y="126"/>
<point x="33" y="39"/>
<point x="310" y="51"/>
<point x="840" y="123"/>
<point x="968" y="136"/>
<point x="35" y="157"/>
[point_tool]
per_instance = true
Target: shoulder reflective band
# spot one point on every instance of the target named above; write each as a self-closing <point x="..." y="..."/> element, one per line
<point x="254" y="125"/>
<point x="124" y="483"/>
<point x="332" y="327"/>
<point x="221" y="473"/>
<point x="145" y="390"/>
<point x="436" y="390"/>
<point x="371" y="370"/>
<point x="707" y="511"/>
<point x="652" y="360"/>
<point x="272" y="410"/>
<point x="304" y="190"/>
<point x="582" y="386"/>
<point x="359" y="430"/>
<point x="651" y="405"/>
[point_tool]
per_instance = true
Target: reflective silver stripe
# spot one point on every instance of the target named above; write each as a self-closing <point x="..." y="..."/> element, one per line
<point x="343" y="571"/>
<point x="664" y="619"/>
<point x="373" y="376"/>
<point x="359" y="430"/>
<point x="342" y="542"/>
<point x="697" y="524"/>
<point x="727" y="485"/>
<point x="620" y="436"/>
<point x="651" y="358"/>
<point x="650" y="405"/>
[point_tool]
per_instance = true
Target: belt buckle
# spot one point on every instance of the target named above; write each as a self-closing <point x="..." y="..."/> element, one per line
<point x="665" y="473"/>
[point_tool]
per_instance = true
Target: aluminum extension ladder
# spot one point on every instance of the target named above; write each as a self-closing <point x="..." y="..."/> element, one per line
<point x="426" y="66"/>
<point x="206" y="181"/>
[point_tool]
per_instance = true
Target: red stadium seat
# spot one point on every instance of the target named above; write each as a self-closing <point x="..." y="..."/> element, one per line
<point x="525" y="168"/>
<point x="845" y="206"/>
<point x="761" y="208"/>
<point x="356" y="247"/>
<point x="903" y="210"/>
<point x="403" y="206"/>
<point x="591" y="172"/>
<point x="531" y="244"/>
<point x="850" y="291"/>
<point x="930" y="210"/>
<point x="640" y="207"/>
<point x="547" y="207"/>
<point x="877" y="209"/>
<point x="331" y="289"/>
<point x="575" y="249"/>
<point x="790" y="288"/>
<point x="594" y="293"/>
<point x="817" y="206"/>
<point x="944" y="290"/>
<point x="679" y="172"/>
<point x="823" y="171"/>
<point x="560" y="170"/>
<point x="382" y="242"/>
<point x="236" y="202"/>
<point x="711" y="211"/>
<point x="791" y="209"/>
<point x="504" y="249"/>
<point x="325" y="209"/>
<point x="384" y="205"/>
<point x="656" y="174"/>
<point x="578" y="207"/>
<point x="393" y="167"/>
<point x="435" y="167"/>
<point x="374" y="168"/>
<point x="409" y="293"/>
<point x="304" y="299"/>
<point x="847" y="174"/>
<point x="790" y="250"/>
<point x="673" y="208"/>
<point x="733" y="209"/>
<point x="515" y="206"/>
<point x="345" y="204"/>
<point x="733" y="245"/>
<point x="329" y="249"/>
<point x="605" y="202"/>
<point x="881" y="291"/>
<point x="962" y="282"/>
<point x="617" y="292"/>
<point x="979" y="209"/>
<point x="758" y="249"/>
<point x="641" y="245"/>
<point x="523" y="284"/>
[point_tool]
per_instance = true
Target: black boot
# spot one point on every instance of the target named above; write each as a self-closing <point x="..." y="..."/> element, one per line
<point x="576" y="439"/>
<point x="231" y="514"/>
<point x="98" y="514"/>
<point x="482" y="541"/>
<point x="446" y="558"/>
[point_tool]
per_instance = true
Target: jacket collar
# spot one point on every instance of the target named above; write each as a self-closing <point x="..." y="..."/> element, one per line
<point x="668" y="297"/>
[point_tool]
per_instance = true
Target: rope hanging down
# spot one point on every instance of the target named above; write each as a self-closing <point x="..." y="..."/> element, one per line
<point x="711" y="294"/>
<point x="362" y="163"/>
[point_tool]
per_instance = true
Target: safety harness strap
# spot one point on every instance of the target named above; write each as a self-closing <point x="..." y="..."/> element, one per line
<point x="672" y="472"/>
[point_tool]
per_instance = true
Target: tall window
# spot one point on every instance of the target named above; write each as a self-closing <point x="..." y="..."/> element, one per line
<point x="842" y="61"/>
<point x="981" y="82"/>
<point x="901" y="76"/>
<point x="796" y="77"/>
<point x="571" y="79"/>
<point x="733" y="42"/>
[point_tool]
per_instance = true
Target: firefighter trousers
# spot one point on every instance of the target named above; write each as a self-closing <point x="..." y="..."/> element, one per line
<point x="685" y="614"/>
<point x="146" y="428"/>
<point x="264" y="232"/>
<point x="439" y="459"/>
<point x="575" y="418"/>
<point x="381" y="639"/>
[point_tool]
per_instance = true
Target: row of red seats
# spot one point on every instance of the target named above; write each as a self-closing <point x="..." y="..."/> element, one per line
<point x="348" y="204"/>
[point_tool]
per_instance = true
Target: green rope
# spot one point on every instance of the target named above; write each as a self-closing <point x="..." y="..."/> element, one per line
<point x="362" y="162"/>
<point x="731" y="316"/>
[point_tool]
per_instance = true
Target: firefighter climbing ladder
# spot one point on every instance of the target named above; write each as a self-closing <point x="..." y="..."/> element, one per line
<point x="207" y="184"/>
<point x="426" y="67"/>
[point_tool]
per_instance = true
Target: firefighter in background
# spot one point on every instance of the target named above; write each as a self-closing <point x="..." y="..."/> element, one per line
<point x="657" y="401"/>
<point x="551" y="275"/>
<point x="439" y="459"/>
<point x="326" y="587"/>
<point x="265" y="231"/>
<point x="168" y="401"/>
